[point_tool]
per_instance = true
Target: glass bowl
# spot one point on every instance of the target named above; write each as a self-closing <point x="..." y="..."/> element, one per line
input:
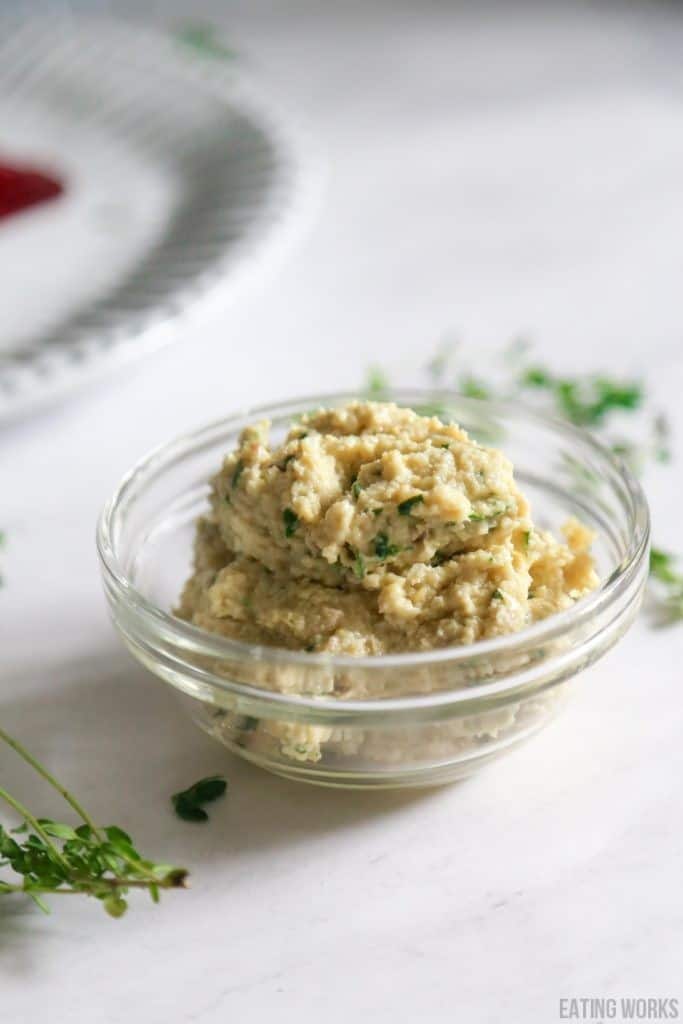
<point x="425" y="718"/>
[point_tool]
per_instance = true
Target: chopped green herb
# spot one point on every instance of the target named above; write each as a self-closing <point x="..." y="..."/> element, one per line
<point x="584" y="401"/>
<point x="359" y="566"/>
<point x="535" y="377"/>
<point x="291" y="521"/>
<point x="377" y="511"/>
<point x="406" y="507"/>
<point x="377" y="383"/>
<point x="446" y="445"/>
<point x="237" y="473"/>
<point x="663" y="569"/>
<point x="356" y="488"/>
<point x="479" y="517"/>
<point x="438" y="558"/>
<point x="472" y="387"/>
<point x="188" y="804"/>
<point x="383" y="549"/>
<point x="527" y="538"/>
<point x="497" y="595"/>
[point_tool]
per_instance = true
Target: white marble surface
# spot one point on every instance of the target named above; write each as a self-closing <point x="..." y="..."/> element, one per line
<point x="491" y="170"/>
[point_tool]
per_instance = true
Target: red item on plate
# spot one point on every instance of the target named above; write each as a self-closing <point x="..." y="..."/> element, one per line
<point x="21" y="187"/>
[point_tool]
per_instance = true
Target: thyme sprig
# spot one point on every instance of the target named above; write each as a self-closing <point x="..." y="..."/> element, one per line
<point x="59" y="859"/>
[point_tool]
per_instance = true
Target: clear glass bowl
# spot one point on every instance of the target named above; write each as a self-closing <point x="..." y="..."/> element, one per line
<point x="428" y="717"/>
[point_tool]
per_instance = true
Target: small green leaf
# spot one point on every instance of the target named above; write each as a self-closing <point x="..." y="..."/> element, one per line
<point x="291" y="521"/>
<point x="188" y="803"/>
<point x="209" y="789"/>
<point x="406" y="507"/>
<point x="662" y="566"/>
<point x="237" y="473"/>
<point x="187" y="809"/>
<point x="377" y="383"/>
<point x="115" y="834"/>
<point x="536" y="377"/>
<point x="472" y="387"/>
<point x="115" y="905"/>
<point x="54" y="828"/>
<point x="383" y="547"/>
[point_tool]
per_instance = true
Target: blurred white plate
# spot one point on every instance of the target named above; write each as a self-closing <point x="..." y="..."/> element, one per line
<point x="175" y="175"/>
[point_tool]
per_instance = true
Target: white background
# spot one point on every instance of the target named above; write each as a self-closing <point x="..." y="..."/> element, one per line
<point x="491" y="170"/>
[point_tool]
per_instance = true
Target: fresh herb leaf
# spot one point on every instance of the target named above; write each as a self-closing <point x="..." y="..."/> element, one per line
<point x="291" y="521"/>
<point x="237" y="473"/>
<point x="473" y="387"/>
<point x="377" y="383"/>
<point x="406" y="507"/>
<point x="497" y="595"/>
<point x="536" y="377"/>
<point x="188" y="804"/>
<point x="527" y="538"/>
<point x="383" y="548"/>
<point x="663" y="570"/>
<point x="480" y="517"/>
<point x="359" y="566"/>
<point x="356" y="488"/>
<point x="662" y="566"/>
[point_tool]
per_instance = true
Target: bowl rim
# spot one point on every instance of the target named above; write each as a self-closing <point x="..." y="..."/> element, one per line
<point x="194" y="638"/>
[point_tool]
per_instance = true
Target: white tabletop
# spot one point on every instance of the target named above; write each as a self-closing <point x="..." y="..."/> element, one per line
<point x="490" y="171"/>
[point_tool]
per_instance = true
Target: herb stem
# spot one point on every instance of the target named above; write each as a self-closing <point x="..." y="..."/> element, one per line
<point x="174" y="880"/>
<point x="49" y="777"/>
<point x="35" y="825"/>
